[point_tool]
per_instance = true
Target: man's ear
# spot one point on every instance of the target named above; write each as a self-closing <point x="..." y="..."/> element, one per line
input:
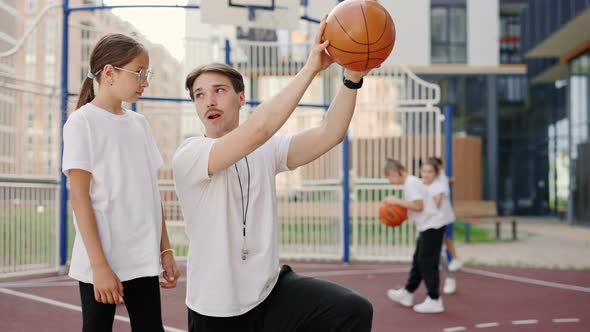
<point x="242" y="98"/>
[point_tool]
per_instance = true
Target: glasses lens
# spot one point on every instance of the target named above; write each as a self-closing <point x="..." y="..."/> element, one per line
<point x="145" y="75"/>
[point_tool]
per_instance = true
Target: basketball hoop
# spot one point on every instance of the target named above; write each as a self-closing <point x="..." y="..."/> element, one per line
<point x="252" y="8"/>
<point x="265" y="14"/>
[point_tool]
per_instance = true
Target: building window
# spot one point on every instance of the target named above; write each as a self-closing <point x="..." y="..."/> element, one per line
<point x="30" y="5"/>
<point x="50" y="75"/>
<point x="31" y="43"/>
<point x="448" y="33"/>
<point x="511" y="89"/>
<point x="83" y="72"/>
<point x="510" y="39"/>
<point x="50" y="42"/>
<point x="30" y="72"/>
<point x="87" y="35"/>
<point x="29" y="144"/>
<point x="28" y="166"/>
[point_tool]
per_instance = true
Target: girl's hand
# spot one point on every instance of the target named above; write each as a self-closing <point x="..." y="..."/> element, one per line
<point x="392" y="200"/>
<point x="108" y="289"/>
<point x="171" y="272"/>
<point x="318" y="59"/>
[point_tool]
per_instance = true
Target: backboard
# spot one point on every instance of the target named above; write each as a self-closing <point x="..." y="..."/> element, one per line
<point x="267" y="14"/>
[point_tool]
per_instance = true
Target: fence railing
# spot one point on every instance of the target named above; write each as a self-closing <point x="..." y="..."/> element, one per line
<point x="372" y="240"/>
<point x="396" y="117"/>
<point x="29" y="236"/>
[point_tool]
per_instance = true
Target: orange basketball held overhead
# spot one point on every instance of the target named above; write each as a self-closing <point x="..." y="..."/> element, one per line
<point x="361" y="34"/>
<point x="392" y="215"/>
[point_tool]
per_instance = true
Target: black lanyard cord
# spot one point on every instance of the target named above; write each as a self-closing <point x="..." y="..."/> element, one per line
<point x="244" y="210"/>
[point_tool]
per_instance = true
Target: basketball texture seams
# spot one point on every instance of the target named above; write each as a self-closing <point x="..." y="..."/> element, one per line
<point x="361" y="34"/>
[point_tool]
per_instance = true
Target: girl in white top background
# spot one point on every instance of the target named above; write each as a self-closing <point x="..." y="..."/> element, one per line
<point x="448" y="213"/>
<point x="111" y="158"/>
<point x="422" y="201"/>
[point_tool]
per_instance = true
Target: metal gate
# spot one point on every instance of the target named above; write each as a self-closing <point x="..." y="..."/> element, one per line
<point x="395" y="117"/>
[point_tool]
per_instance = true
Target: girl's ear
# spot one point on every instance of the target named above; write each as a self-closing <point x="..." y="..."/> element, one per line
<point x="107" y="73"/>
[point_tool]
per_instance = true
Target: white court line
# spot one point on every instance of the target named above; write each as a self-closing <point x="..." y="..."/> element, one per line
<point x="486" y="325"/>
<point x="351" y="266"/>
<point x="526" y="280"/>
<point x="34" y="281"/>
<point x="352" y="272"/>
<point x="39" y="285"/>
<point x="525" y="322"/>
<point x="454" y="329"/>
<point x="51" y="279"/>
<point x="68" y="283"/>
<point x="566" y="320"/>
<point x="69" y="306"/>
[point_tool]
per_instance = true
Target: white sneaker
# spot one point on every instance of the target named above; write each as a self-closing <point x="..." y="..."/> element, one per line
<point x="455" y="265"/>
<point x="450" y="286"/>
<point x="401" y="296"/>
<point x="430" y="306"/>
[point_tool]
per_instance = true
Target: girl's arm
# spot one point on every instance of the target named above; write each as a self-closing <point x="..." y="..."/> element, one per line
<point x="438" y="200"/>
<point x="417" y="205"/>
<point x="171" y="272"/>
<point x="107" y="286"/>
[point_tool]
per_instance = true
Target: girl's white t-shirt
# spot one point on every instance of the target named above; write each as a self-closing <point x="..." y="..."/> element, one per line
<point x="415" y="190"/>
<point x="447" y="208"/>
<point x="122" y="156"/>
<point x="436" y="219"/>
<point x="219" y="282"/>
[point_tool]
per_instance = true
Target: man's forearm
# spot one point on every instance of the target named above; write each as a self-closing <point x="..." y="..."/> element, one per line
<point x="339" y="115"/>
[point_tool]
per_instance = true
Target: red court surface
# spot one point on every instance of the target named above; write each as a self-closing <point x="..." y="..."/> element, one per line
<point x="488" y="299"/>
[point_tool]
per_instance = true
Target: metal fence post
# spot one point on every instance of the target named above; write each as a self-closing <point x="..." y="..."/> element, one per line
<point x="63" y="210"/>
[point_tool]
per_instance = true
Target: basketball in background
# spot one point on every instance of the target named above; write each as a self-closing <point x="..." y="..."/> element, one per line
<point x="361" y="34"/>
<point x="392" y="215"/>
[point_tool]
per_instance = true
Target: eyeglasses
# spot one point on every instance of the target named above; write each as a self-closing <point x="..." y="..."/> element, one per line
<point x="142" y="74"/>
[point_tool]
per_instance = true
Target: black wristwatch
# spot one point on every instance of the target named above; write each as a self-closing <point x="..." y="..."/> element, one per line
<point x="352" y="85"/>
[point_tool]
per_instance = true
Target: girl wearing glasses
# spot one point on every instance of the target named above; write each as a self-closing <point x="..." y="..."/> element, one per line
<point x="111" y="158"/>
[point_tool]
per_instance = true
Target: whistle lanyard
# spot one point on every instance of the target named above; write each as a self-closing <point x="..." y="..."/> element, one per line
<point x="244" y="250"/>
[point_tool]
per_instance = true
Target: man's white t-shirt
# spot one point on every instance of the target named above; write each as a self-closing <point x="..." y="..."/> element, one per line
<point x="446" y="207"/>
<point x="122" y="156"/>
<point x="219" y="282"/>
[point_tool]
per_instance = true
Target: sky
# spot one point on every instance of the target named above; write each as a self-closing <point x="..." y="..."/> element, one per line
<point x="164" y="26"/>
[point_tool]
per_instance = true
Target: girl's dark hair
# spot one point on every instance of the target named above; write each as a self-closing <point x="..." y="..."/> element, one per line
<point x="438" y="160"/>
<point x="236" y="79"/>
<point x="114" y="49"/>
<point x="392" y="165"/>
<point x="434" y="163"/>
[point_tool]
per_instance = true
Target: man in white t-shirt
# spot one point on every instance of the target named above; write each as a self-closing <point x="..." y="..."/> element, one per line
<point x="225" y="182"/>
